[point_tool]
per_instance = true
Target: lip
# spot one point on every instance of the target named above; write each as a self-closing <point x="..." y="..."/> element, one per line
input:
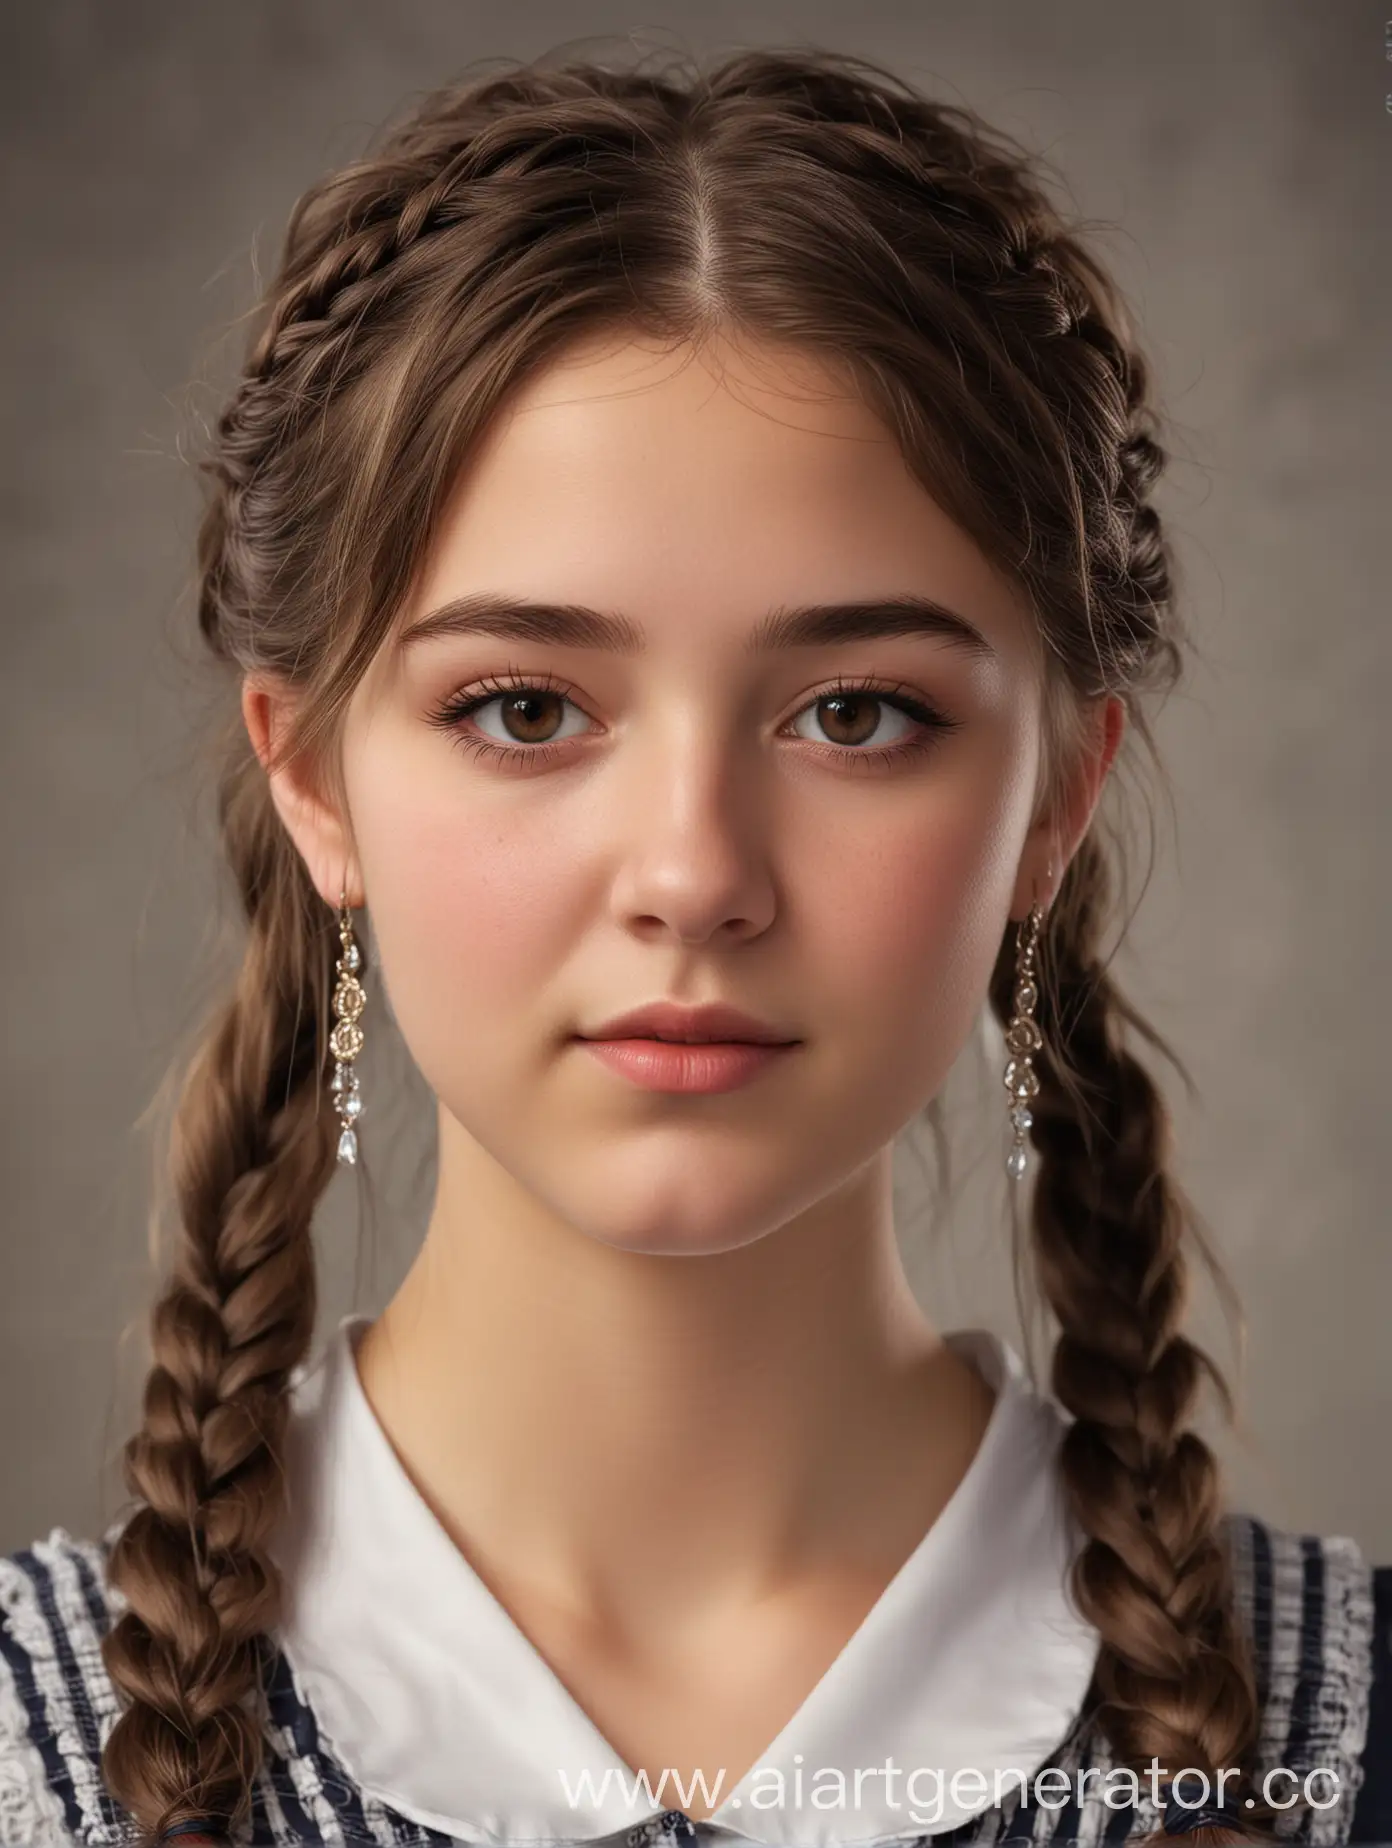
<point x="709" y="1024"/>
<point x="700" y="1067"/>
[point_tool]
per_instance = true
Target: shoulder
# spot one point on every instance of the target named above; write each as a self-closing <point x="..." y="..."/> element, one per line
<point x="1307" y="1603"/>
<point x="56" y="1702"/>
<point x="58" y="1705"/>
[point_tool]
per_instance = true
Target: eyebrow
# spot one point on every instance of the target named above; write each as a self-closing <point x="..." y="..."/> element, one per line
<point x="816" y="625"/>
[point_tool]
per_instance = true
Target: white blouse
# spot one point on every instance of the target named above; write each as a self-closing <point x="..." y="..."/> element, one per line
<point x="974" y="1658"/>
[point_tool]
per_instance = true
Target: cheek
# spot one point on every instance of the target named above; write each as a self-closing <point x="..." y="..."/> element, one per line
<point x="471" y="915"/>
<point x="912" y="912"/>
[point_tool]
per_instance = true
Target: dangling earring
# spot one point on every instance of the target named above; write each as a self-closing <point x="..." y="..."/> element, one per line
<point x="346" y="1040"/>
<point x="1023" y="1039"/>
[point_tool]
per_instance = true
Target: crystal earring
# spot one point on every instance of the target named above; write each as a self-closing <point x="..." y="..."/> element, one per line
<point x="1023" y="1039"/>
<point x="346" y="1040"/>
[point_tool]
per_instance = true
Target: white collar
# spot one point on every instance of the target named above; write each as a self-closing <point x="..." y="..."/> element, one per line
<point x="436" y="1703"/>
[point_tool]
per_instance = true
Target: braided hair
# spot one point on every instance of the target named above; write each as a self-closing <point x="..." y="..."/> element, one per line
<point x="802" y="197"/>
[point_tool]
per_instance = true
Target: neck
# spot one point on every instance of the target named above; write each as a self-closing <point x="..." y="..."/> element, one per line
<point x="635" y="1431"/>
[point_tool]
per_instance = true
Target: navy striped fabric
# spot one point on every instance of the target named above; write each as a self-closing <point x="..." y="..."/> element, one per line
<point x="1372" y="1820"/>
<point x="1307" y="1602"/>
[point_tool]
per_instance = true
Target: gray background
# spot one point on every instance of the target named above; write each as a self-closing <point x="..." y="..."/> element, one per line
<point x="1243" y="152"/>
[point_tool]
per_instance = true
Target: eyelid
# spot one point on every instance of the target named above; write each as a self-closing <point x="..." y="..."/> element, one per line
<point x="515" y="680"/>
<point x="923" y="710"/>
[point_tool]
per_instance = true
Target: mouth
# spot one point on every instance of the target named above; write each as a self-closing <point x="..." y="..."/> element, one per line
<point x="670" y="1023"/>
<point x="686" y="1066"/>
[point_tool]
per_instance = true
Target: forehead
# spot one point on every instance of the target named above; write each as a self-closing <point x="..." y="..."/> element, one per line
<point x="695" y="489"/>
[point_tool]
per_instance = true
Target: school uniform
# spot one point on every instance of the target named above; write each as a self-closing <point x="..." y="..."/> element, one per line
<point x="405" y="1707"/>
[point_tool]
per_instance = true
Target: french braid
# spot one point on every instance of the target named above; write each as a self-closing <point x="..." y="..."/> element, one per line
<point x="1174" y="1680"/>
<point x="251" y="1155"/>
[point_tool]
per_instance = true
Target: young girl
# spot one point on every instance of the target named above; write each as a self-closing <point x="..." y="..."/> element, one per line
<point x="685" y="556"/>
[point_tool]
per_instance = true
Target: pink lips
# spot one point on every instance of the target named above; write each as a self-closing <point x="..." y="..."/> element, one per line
<point x="664" y="1046"/>
<point x="671" y="1020"/>
<point x="658" y="1065"/>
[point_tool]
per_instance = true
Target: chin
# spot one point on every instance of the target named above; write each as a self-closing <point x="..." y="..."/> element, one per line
<point x="679" y="1216"/>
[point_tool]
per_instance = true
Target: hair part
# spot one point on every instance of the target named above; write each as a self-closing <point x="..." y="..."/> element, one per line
<point x="808" y="199"/>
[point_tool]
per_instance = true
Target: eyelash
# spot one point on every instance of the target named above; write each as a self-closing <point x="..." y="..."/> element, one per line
<point x="451" y="715"/>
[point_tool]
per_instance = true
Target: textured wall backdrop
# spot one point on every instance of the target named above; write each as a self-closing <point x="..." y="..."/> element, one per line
<point x="1244" y="154"/>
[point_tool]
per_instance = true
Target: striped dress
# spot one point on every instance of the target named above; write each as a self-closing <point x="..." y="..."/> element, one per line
<point x="1319" y="1617"/>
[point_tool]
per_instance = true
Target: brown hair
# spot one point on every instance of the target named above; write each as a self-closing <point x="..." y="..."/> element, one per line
<point x="799" y="197"/>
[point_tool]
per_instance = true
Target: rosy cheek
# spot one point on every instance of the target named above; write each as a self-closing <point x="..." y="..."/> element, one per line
<point x="902" y="887"/>
<point x="909" y="922"/>
<point x="466" y="911"/>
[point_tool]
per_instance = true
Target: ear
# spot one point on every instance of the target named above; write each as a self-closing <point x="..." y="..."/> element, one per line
<point x="1057" y="834"/>
<point x="312" y="820"/>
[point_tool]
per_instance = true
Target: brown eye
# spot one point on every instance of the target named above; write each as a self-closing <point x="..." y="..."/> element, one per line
<point x="854" y="719"/>
<point x="529" y="708"/>
<point x="530" y="717"/>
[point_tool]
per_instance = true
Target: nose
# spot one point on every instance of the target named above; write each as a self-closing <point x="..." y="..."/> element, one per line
<point x="696" y="856"/>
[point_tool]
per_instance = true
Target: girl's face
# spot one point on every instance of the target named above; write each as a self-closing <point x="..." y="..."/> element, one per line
<point x="684" y="810"/>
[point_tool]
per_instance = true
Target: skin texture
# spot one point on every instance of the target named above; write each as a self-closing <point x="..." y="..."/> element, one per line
<point x="656" y="1367"/>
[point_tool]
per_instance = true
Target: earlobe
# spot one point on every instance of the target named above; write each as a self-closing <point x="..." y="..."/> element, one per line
<point x="312" y="823"/>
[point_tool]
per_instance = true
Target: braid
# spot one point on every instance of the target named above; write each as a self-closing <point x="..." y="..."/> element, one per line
<point x="1174" y="1680"/>
<point x="251" y="1153"/>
